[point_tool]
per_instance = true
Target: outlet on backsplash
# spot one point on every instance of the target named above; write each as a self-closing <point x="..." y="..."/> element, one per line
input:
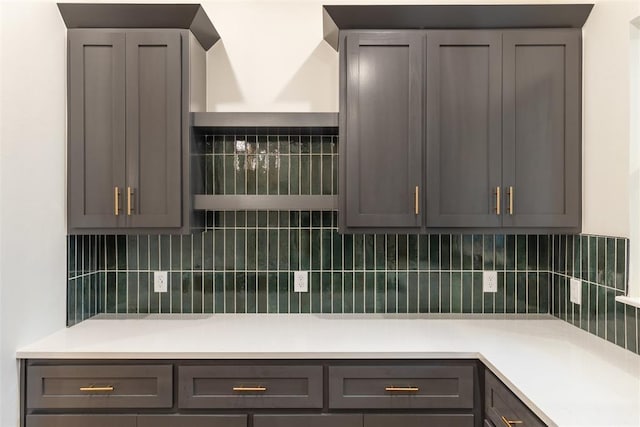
<point x="576" y="291"/>
<point x="489" y="281"/>
<point x="160" y="281"/>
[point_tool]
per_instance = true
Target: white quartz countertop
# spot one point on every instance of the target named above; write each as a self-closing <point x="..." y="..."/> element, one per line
<point x="565" y="375"/>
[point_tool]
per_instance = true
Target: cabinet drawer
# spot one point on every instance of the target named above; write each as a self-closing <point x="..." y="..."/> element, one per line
<point x="432" y="420"/>
<point x="324" y="420"/>
<point x="81" y="420"/>
<point x="99" y="386"/>
<point x="399" y="387"/>
<point x="192" y="421"/>
<point x="501" y="402"/>
<point x="250" y="387"/>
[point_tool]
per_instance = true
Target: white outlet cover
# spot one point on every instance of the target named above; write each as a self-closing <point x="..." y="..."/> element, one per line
<point x="301" y="281"/>
<point x="160" y="281"/>
<point x="489" y="281"/>
<point x="575" y="293"/>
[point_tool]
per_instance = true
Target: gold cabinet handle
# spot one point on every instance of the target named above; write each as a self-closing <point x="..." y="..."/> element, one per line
<point x="249" y="389"/>
<point x="510" y="191"/>
<point x="498" y="200"/>
<point x="93" y="389"/>
<point x="129" y="197"/>
<point x="116" y="201"/>
<point x="402" y="389"/>
<point x="416" y="200"/>
<point x="509" y="423"/>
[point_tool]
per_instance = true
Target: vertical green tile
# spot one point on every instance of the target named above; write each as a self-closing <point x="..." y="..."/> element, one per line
<point x="358" y="252"/>
<point x="251" y="286"/>
<point x="423" y="292"/>
<point x="391" y="255"/>
<point x="477" y="303"/>
<point x="283" y="175"/>
<point x="412" y="252"/>
<point x="456" y="292"/>
<point x="272" y="297"/>
<point x="510" y="252"/>
<point x="434" y="252"/>
<point x="208" y="292"/>
<point x="521" y="252"/>
<point x="510" y="291"/>
<point x="499" y="296"/>
<point x="631" y="328"/>
<point x="273" y="173"/>
<point x="584" y="307"/>
<point x="154" y="298"/>
<point x="187" y="292"/>
<point x="577" y="256"/>
<point x="593" y="308"/>
<point x="445" y="293"/>
<point x="316" y="297"/>
<point x="305" y="174"/>
<point x="584" y="251"/>
<point x="544" y="291"/>
<point x="563" y="307"/>
<point x="434" y="292"/>
<point x="402" y="249"/>
<point x="294" y="179"/>
<point x="412" y="292"/>
<point x="229" y="174"/>
<point x="423" y="252"/>
<point x="569" y="254"/>
<point x="326" y="247"/>
<point x="327" y="175"/>
<point x="532" y="293"/>
<point x="316" y="254"/>
<point x="334" y="167"/>
<point x="359" y="292"/>
<point x="532" y="252"/>
<point x="601" y="257"/>
<point x="337" y="294"/>
<point x="601" y="315"/>
<point x="336" y="255"/>
<point x="132" y="252"/>
<point x="71" y="302"/>
<point x="610" y="298"/>
<point x="240" y="171"/>
<point x="273" y="249"/>
<point x="219" y="293"/>
<point x="380" y="251"/>
<point x="348" y="253"/>
<point x="132" y="292"/>
<point x="499" y="251"/>
<point x="229" y="249"/>
<point x="610" y="260"/>
<point x="445" y="252"/>
<point x="348" y="298"/>
<point x="369" y="252"/>
<point x="219" y="177"/>
<point x="121" y="254"/>
<point x="197" y="254"/>
<point x="143" y="293"/>
<point x="593" y="259"/>
<point x="294" y="249"/>
<point x="283" y="292"/>
<point x="488" y="252"/>
<point x="467" y="252"/>
<point x="380" y="301"/>
<point x="262" y="292"/>
<point x="305" y="252"/>
<point x="620" y="324"/>
<point x="621" y="264"/>
<point x="283" y="249"/>
<point x="186" y="249"/>
<point x="391" y="303"/>
<point x="467" y="292"/>
<point x="478" y="252"/>
<point x="121" y="304"/>
<point x="174" y="303"/>
<point x="456" y="252"/>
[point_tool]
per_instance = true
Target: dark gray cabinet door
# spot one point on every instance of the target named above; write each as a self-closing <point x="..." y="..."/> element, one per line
<point x="81" y="421"/>
<point x="381" y="155"/>
<point x="541" y="128"/>
<point x="464" y="155"/>
<point x="324" y="420"/>
<point x="424" y="420"/>
<point x="96" y="129"/>
<point x="192" y="420"/>
<point x="154" y="87"/>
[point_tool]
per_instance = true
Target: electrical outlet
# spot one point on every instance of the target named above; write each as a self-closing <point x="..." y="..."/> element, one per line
<point x="159" y="281"/>
<point x="489" y="281"/>
<point x="301" y="281"/>
<point x="575" y="291"/>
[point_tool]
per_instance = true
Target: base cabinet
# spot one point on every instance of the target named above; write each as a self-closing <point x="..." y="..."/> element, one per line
<point x="81" y="420"/>
<point x="421" y="420"/>
<point x="315" y="420"/>
<point x="192" y="421"/>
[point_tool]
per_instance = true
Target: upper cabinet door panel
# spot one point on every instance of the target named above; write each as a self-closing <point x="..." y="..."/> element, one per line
<point x="541" y="125"/>
<point x="96" y="130"/>
<point x="463" y="128"/>
<point x="383" y="144"/>
<point x="154" y="85"/>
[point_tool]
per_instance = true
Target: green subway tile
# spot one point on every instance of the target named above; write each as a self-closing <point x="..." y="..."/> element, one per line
<point x="294" y="219"/>
<point x="610" y="296"/>
<point x="294" y="144"/>
<point x="175" y="255"/>
<point x="283" y="292"/>
<point x="563" y="300"/>
<point x="532" y="293"/>
<point x="412" y="292"/>
<point x="391" y="302"/>
<point x="326" y="248"/>
<point x="305" y="174"/>
<point x="251" y="288"/>
<point x="144" y="293"/>
<point x="283" y="175"/>
<point x="262" y="293"/>
<point x="262" y="219"/>
<point x="423" y="252"/>
<point x="294" y="177"/>
<point x="155" y="299"/>
<point x="334" y="167"/>
<point x="610" y="262"/>
<point x="336" y="256"/>
<point x="555" y="292"/>
<point x="316" y="144"/>
<point x="316" y="252"/>
<point x="456" y="292"/>
<point x="121" y="299"/>
<point x="631" y="328"/>
<point x="391" y="252"/>
<point x="510" y="252"/>
<point x="273" y="249"/>
<point x="500" y="294"/>
<point x="434" y="252"/>
<point x="240" y="172"/>
<point x="229" y="144"/>
<point x="621" y="264"/>
<point x="327" y="175"/>
<point x="369" y="252"/>
<point x="273" y="144"/>
<point x="456" y="252"/>
<point x="218" y="144"/>
<point x="208" y="290"/>
<point x="174" y="294"/>
<point x="593" y="308"/>
<point x="577" y="256"/>
<point x="294" y="249"/>
<point x="544" y="291"/>
<point x="316" y="219"/>
<point x="316" y="292"/>
<point x="283" y="249"/>
<point x="273" y="173"/>
<point x="561" y="254"/>
<point x="569" y="255"/>
<point x="510" y="289"/>
<point x="488" y="302"/>
<point x="601" y="315"/>
<point x="467" y="292"/>
<point x="272" y="297"/>
<point x="619" y="324"/>
<point x="478" y="252"/>
<point x="381" y="284"/>
<point x="402" y="261"/>
<point x="593" y="259"/>
<point x="186" y="251"/>
<point x="229" y="219"/>
<point x="229" y="174"/>
<point x="349" y="250"/>
<point x="283" y="144"/>
<point x="445" y="252"/>
<point x="305" y="244"/>
<point x="584" y="307"/>
<point x="187" y="292"/>
<point x="132" y="292"/>
<point x="601" y="257"/>
<point x="434" y="292"/>
<point x="359" y="296"/>
<point x="477" y="303"/>
<point x="369" y="292"/>
<point x="380" y="252"/>
<point x="71" y="256"/>
<point x="499" y="250"/>
<point x="532" y="252"/>
<point x="488" y="261"/>
<point x="121" y="248"/>
<point x="229" y="248"/>
<point x="544" y="252"/>
<point x="445" y="293"/>
<point x="348" y="295"/>
<point x="197" y="255"/>
<point x="467" y="252"/>
<point x="521" y="252"/>
<point x="412" y="252"/>
<point x="584" y="252"/>
<point x="132" y="252"/>
<point x="71" y="302"/>
<point x="218" y="177"/>
<point x="327" y="219"/>
<point x="337" y="293"/>
<point x="197" y="303"/>
<point x="251" y="249"/>
<point x="423" y="292"/>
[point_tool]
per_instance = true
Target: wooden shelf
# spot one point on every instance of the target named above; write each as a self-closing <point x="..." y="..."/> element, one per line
<point x="264" y="202"/>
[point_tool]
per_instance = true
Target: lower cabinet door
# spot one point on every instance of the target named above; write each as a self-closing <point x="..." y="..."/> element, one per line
<point x="328" y="420"/>
<point x="81" y="421"/>
<point x="423" y="420"/>
<point x="192" y="421"/>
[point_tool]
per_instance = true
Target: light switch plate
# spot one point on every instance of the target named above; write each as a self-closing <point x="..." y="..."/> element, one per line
<point x="301" y="281"/>
<point x="489" y="281"/>
<point x="159" y="281"/>
<point x="576" y="291"/>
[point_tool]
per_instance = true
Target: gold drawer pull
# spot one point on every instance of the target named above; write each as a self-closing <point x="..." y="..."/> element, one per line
<point x="130" y="193"/>
<point x="509" y="423"/>
<point x="510" y="191"/>
<point x="416" y="197"/>
<point x="498" y="200"/>
<point x="116" y="201"/>
<point x="97" y="389"/>
<point x="249" y="389"/>
<point x="405" y="389"/>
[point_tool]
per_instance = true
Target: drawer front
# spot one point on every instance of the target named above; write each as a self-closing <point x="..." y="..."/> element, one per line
<point x="250" y="387"/>
<point x="192" y="421"/>
<point x="333" y="420"/>
<point x="99" y="386"/>
<point x="81" y="421"/>
<point x="401" y="387"/>
<point x="501" y="402"/>
<point x="431" y="420"/>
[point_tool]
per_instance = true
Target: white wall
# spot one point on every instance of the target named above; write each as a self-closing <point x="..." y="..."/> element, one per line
<point x="32" y="179"/>
<point x="272" y="59"/>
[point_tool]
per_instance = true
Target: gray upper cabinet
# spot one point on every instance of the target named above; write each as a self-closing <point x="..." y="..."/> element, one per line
<point x="128" y="142"/>
<point x="381" y="124"/>
<point x="464" y="106"/>
<point x="541" y="128"/>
